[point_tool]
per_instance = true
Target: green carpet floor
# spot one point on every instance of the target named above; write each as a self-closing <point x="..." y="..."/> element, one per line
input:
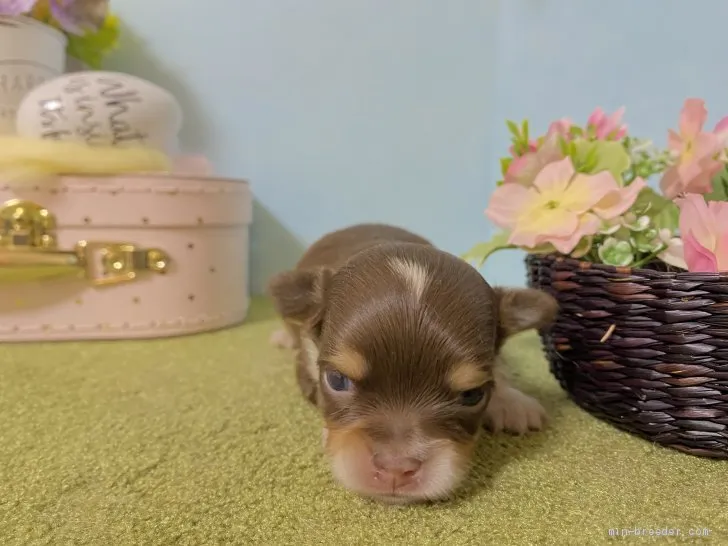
<point x="205" y="440"/>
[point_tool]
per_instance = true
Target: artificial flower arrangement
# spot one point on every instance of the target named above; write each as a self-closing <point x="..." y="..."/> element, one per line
<point x="582" y="192"/>
<point x="92" y="31"/>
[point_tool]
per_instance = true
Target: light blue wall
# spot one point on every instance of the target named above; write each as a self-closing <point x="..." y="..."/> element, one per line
<point x="392" y="110"/>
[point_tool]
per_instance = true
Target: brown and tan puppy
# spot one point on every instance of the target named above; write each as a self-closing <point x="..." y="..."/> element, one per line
<point x="398" y="347"/>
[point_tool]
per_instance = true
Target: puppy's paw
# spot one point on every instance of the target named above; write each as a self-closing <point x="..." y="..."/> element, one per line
<point x="282" y="338"/>
<point x="511" y="410"/>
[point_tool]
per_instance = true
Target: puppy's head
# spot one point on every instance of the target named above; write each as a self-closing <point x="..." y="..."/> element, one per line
<point x="402" y="340"/>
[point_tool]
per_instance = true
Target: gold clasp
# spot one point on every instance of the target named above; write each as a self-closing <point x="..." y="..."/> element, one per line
<point x="28" y="251"/>
<point x="114" y="263"/>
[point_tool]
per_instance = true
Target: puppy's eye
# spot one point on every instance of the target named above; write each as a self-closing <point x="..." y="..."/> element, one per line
<point x="337" y="381"/>
<point x="472" y="397"/>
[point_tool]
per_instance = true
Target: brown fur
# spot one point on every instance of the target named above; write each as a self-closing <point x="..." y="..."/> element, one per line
<point x="412" y="327"/>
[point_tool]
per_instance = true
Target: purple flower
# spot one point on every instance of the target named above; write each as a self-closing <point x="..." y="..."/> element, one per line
<point x="79" y="16"/>
<point x="13" y="8"/>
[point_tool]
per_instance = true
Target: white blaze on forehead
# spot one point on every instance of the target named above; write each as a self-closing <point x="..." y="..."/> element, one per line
<point x="414" y="275"/>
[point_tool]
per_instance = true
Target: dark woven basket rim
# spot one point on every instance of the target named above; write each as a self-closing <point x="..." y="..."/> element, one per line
<point x="681" y="274"/>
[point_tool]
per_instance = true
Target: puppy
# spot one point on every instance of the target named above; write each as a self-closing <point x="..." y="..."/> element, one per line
<point x="398" y="347"/>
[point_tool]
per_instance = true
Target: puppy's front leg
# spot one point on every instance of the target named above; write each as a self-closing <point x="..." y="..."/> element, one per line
<point x="307" y="370"/>
<point x="287" y="337"/>
<point x="511" y="410"/>
<point x="306" y="382"/>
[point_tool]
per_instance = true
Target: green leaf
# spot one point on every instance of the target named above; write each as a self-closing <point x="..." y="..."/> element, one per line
<point x="524" y="130"/>
<point x="610" y="156"/>
<point x="645" y="201"/>
<point x="667" y="218"/>
<point x="480" y="252"/>
<point x="591" y="161"/>
<point x="564" y="146"/>
<point x="546" y="248"/>
<point x="646" y="241"/>
<point x="583" y="247"/>
<point x="513" y="128"/>
<point x="720" y="187"/>
<point x="663" y="212"/>
<point x="615" y="252"/>
<point x="505" y="163"/>
<point x="92" y="48"/>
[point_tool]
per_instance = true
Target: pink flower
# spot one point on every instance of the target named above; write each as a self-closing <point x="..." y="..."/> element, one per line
<point x="690" y="176"/>
<point x="80" y="16"/>
<point x="560" y="127"/>
<point x="523" y="169"/>
<point x="13" y="8"/>
<point x="696" y="150"/>
<point x="561" y="207"/>
<point x="674" y="253"/>
<point x="721" y="131"/>
<point x="532" y="147"/>
<point x="704" y="233"/>
<point x="721" y="128"/>
<point x="604" y="127"/>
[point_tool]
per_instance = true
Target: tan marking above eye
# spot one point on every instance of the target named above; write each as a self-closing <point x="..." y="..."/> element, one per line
<point x="348" y="362"/>
<point x="468" y="375"/>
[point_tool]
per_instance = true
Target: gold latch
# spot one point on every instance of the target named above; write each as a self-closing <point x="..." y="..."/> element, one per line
<point x="29" y="251"/>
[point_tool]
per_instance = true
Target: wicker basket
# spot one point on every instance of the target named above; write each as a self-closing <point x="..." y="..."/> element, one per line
<point x="644" y="349"/>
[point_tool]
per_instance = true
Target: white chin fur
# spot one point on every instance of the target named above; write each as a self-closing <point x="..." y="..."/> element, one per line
<point x="442" y="474"/>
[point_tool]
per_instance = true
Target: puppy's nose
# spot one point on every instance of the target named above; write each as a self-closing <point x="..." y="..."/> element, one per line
<point x="401" y="470"/>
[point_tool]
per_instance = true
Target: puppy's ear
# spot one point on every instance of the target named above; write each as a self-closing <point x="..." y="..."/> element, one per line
<point x="521" y="309"/>
<point x="299" y="296"/>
